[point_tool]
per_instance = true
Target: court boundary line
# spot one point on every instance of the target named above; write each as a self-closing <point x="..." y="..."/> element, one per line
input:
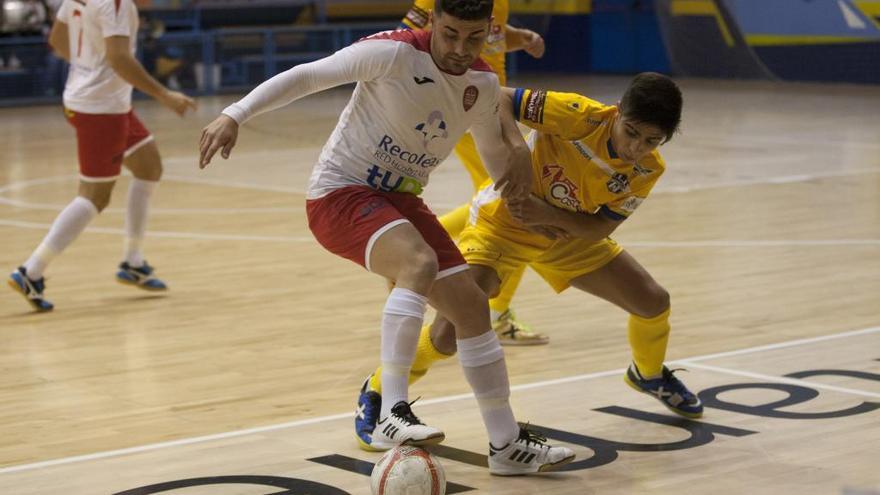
<point x="452" y="398"/>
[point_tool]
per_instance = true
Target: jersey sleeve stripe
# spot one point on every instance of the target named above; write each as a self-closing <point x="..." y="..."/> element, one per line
<point x="517" y="102"/>
<point x="608" y="212"/>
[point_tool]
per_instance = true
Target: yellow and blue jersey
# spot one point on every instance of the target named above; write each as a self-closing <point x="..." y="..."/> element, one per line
<point x="573" y="158"/>
<point x="496" y="47"/>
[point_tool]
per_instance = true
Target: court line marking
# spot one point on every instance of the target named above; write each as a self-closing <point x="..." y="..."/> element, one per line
<point x="19" y="185"/>
<point x="281" y="238"/>
<point x="451" y="398"/>
<point x="780" y="379"/>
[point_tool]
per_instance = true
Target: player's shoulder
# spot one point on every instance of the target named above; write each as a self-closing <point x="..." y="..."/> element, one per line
<point x="419" y="40"/>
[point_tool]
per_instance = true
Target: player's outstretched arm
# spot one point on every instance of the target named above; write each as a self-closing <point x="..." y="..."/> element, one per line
<point x="524" y="39"/>
<point x="221" y="134"/>
<point x="128" y="68"/>
<point x="504" y="152"/>
<point x="534" y="211"/>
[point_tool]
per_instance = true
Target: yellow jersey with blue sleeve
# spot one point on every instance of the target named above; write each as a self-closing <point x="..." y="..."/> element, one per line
<point x="574" y="162"/>
<point x="576" y="168"/>
<point x="496" y="47"/>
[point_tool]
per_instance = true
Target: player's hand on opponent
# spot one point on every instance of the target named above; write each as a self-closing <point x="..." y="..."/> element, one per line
<point x="534" y="43"/>
<point x="177" y="102"/>
<point x="516" y="183"/>
<point x="218" y="135"/>
<point x="533" y="211"/>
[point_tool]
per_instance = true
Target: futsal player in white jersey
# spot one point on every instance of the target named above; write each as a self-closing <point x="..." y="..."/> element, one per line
<point x="98" y="38"/>
<point x="416" y="95"/>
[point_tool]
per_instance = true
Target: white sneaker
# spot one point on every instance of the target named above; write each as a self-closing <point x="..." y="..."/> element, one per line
<point x="527" y="454"/>
<point x="402" y="427"/>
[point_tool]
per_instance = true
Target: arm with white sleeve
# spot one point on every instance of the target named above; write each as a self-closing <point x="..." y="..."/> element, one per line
<point x="504" y="152"/>
<point x="362" y="61"/>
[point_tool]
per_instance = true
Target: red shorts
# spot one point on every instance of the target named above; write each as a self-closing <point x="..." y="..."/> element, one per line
<point x="348" y="221"/>
<point x="103" y="140"/>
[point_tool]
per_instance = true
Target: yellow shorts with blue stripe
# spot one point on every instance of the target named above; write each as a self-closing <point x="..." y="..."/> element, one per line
<point x="557" y="262"/>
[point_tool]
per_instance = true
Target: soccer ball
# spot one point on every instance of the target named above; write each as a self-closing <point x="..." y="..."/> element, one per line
<point x="406" y="470"/>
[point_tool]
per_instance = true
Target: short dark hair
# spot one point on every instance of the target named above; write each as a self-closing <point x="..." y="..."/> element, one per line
<point x="655" y="99"/>
<point x="466" y="10"/>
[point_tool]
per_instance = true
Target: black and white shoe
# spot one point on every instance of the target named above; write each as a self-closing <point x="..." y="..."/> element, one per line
<point x="528" y="454"/>
<point x="402" y="427"/>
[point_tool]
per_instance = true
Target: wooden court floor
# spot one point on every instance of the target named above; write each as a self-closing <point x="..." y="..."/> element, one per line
<point x="243" y="378"/>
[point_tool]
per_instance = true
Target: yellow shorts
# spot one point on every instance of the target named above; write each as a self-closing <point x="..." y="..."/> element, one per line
<point x="557" y="262"/>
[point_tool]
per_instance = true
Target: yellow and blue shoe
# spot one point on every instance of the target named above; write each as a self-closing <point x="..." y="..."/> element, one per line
<point x="141" y="277"/>
<point x="511" y="331"/>
<point x="668" y="389"/>
<point x="366" y="416"/>
<point x="32" y="290"/>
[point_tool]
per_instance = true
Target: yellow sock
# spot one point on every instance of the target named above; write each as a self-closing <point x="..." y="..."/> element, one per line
<point x="648" y="338"/>
<point x="426" y="355"/>
<point x="456" y="220"/>
<point x="501" y="302"/>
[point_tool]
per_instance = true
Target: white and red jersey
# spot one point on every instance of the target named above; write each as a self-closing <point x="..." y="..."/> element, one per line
<point x="92" y="85"/>
<point x="404" y="118"/>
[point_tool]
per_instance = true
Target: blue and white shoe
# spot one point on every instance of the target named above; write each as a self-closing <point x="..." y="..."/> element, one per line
<point x="366" y="416"/>
<point x="32" y="290"/>
<point x="667" y="389"/>
<point x="141" y="277"/>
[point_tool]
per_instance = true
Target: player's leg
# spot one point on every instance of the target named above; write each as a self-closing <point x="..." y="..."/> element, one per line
<point x="464" y="304"/>
<point x="625" y="283"/>
<point x="100" y="144"/>
<point x="143" y="160"/>
<point x="400" y="254"/>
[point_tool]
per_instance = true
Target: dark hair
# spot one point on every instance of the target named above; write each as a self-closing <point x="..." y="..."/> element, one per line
<point x="466" y="10"/>
<point x="654" y="99"/>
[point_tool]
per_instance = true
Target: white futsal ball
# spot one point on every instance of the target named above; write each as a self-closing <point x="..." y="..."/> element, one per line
<point x="406" y="470"/>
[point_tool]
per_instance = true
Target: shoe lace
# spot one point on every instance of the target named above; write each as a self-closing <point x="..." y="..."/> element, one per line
<point x="528" y="436"/>
<point x="676" y="384"/>
<point x="403" y="410"/>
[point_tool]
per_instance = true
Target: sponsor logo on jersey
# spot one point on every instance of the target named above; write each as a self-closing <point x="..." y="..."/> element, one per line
<point x="389" y="153"/>
<point x="388" y="181"/>
<point x="640" y="170"/>
<point x="434" y="127"/>
<point x="561" y="188"/>
<point x="471" y="93"/>
<point x="534" y="110"/>
<point x="422" y="80"/>
<point x="618" y="183"/>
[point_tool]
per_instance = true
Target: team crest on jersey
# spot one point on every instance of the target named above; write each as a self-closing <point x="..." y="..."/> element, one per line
<point x="471" y="93"/>
<point x="433" y="128"/>
<point x="561" y="188"/>
<point x="618" y="183"/>
<point x="640" y="170"/>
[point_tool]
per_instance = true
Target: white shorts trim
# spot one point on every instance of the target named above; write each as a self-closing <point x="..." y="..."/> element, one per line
<point x="373" y="238"/>
<point x="130" y="151"/>
<point x="451" y="271"/>
<point x="98" y="179"/>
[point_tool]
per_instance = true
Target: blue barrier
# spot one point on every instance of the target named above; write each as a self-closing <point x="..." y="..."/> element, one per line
<point x="201" y="63"/>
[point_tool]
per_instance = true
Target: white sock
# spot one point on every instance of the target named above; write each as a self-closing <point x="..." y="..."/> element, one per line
<point x="68" y="225"/>
<point x="138" y="207"/>
<point x="494" y="315"/>
<point x="401" y="324"/>
<point x="483" y="363"/>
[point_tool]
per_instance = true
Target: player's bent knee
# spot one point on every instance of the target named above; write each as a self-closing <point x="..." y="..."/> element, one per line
<point x="421" y="264"/>
<point x="655" y="302"/>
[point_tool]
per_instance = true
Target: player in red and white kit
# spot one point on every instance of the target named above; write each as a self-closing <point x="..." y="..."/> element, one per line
<point x="98" y="38"/>
<point x="416" y="95"/>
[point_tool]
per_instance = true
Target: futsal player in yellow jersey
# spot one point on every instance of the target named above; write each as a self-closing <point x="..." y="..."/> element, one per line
<point x="593" y="165"/>
<point x="503" y="38"/>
